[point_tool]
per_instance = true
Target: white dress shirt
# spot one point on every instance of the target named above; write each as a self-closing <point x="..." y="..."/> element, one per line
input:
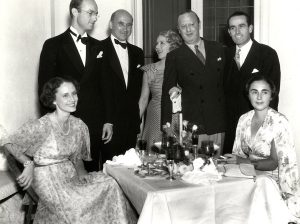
<point x="244" y="51"/>
<point x="79" y="45"/>
<point x="123" y="58"/>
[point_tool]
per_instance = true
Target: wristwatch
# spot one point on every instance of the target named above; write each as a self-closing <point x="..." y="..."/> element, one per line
<point x="28" y="163"/>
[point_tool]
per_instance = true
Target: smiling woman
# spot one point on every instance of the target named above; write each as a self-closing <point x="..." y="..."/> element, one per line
<point x="52" y="149"/>
<point x="264" y="138"/>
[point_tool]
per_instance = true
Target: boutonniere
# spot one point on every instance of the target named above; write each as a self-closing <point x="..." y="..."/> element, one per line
<point x="255" y="70"/>
<point x="138" y="66"/>
<point x="219" y="59"/>
<point x="100" y="55"/>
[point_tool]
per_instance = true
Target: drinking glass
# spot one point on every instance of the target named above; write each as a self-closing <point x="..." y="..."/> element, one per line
<point x="195" y="141"/>
<point x="207" y="148"/>
<point x="170" y="164"/>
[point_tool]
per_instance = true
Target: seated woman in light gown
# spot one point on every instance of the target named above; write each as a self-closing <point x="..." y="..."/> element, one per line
<point x="52" y="149"/>
<point x="264" y="138"/>
<point x="152" y="84"/>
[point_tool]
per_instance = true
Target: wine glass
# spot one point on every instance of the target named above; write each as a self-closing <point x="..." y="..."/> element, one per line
<point x="207" y="148"/>
<point x="195" y="141"/>
<point x="170" y="164"/>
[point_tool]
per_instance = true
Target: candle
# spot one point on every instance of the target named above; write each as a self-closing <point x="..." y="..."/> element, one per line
<point x="180" y="128"/>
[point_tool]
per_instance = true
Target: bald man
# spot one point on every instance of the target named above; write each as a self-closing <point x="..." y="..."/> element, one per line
<point x="122" y="61"/>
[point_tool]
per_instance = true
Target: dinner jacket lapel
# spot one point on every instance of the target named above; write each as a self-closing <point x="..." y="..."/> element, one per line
<point x="115" y="62"/>
<point x="251" y="59"/>
<point x="91" y="54"/>
<point x="191" y="59"/>
<point x="131" y="60"/>
<point x="72" y="52"/>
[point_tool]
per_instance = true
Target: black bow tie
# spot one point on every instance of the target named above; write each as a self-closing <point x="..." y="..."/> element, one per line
<point x="84" y="40"/>
<point x="123" y="45"/>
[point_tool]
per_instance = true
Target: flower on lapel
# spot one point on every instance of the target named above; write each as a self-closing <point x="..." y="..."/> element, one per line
<point x="138" y="66"/>
<point x="255" y="70"/>
<point x="219" y="59"/>
<point x="100" y="54"/>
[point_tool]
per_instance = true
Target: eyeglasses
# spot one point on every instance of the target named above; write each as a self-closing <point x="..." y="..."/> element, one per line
<point x="90" y="13"/>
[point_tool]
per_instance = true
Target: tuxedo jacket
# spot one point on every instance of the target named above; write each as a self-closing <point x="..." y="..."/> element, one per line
<point x="60" y="57"/>
<point x="261" y="58"/>
<point x="125" y="99"/>
<point x="202" y="86"/>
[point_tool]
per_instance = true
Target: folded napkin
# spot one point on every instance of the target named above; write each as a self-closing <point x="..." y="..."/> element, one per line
<point x="240" y="170"/>
<point x="202" y="174"/>
<point x="130" y="158"/>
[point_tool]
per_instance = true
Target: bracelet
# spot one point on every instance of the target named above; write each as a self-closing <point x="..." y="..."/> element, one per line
<point x="28" y="163"/>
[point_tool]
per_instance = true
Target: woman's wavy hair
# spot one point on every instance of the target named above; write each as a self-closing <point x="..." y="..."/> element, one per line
<point x="260" y="77"/>
<point x="173" y="38"/>
<point x="49" y="90"/>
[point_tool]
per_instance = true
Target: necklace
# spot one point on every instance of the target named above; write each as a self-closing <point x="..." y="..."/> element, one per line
<point x="62" y="130"/>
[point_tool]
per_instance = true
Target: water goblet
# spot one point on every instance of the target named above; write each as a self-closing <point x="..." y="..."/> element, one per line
<point x="195" y="141"/>
<point x="170" y="164"/>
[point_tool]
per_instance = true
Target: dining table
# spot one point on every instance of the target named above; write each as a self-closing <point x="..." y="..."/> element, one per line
<point x="230" y="200"/>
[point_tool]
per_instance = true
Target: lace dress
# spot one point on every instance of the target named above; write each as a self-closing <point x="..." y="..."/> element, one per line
<point x="62" y="197"/>
<point x="275" y="128"/>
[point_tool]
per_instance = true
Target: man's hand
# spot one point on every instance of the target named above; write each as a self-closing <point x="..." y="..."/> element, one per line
<point x="107" y="132"/>
<point x="176" y="91"/>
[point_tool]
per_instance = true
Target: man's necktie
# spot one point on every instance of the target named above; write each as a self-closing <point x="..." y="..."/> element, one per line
<point x="237" y="58"/>
<point x="84" y="40"/>
<point x="199" y="54"/>
<point x="123" y="45"/>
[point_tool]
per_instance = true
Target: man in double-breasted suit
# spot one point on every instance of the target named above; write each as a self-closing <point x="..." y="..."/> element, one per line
<point x="244" y="60"/>
<point x="121" y="61"/>
<point x="197" y="67"/>
<point x="77" y="55"/>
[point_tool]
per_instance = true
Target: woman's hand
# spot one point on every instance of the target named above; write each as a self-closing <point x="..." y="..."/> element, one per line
<point x="26" y="178"/>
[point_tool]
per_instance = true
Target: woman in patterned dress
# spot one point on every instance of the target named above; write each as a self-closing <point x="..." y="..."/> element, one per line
<point x="152" y="84"/>
<point x="264" y="138"/>
<point x="52" y="149"/>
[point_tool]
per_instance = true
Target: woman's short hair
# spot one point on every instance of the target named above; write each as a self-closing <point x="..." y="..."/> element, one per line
<point x="173" y="38"/>
<point x="260" y="77"/>
<point x="49" y="90"/>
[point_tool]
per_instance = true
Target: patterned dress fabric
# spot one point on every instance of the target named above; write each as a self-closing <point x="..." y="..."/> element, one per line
<point x="152" y="130"/>
<point x="62" y="197"/>
<point x="275" y="128"/>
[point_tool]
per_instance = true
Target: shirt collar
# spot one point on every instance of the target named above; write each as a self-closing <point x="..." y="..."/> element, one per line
<point x="246" y="47"/>
<point x="77" y="34"/>
<point x="113" y="38"/>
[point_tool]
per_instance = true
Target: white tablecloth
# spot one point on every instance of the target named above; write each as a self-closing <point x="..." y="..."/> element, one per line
<point x="231" y="200"/>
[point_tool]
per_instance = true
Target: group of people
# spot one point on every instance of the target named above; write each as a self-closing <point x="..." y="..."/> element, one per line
<point x="108" y="90"/>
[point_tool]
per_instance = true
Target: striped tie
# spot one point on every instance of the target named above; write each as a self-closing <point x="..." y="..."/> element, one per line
<point x="237" y="58"/>
<point x="199" y="54"/>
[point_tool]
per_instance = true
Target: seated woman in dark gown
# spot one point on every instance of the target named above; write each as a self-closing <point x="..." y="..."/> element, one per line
<point x="52" y="149"/>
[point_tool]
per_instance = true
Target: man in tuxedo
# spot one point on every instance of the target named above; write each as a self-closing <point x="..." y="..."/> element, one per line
<point x="197" y="67"/>
<point x="122" y="61"/>
<point x="243" y="60"/>
<point x="77" y="55"/>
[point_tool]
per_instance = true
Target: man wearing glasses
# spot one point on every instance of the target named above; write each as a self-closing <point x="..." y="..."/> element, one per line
<point x="76" y="54"/>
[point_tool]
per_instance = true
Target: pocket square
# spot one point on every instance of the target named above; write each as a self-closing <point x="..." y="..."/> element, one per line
<point x="138" y="66"/>
<point x="255" y="70"/>
<point x="219" y="59"/>
<point x="100" y="54"/>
